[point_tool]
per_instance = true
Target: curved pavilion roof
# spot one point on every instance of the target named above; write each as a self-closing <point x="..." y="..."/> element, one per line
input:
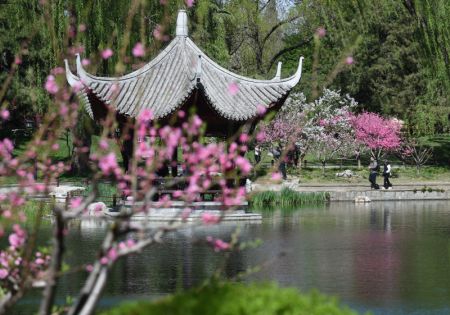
<point x="165" y="83"/>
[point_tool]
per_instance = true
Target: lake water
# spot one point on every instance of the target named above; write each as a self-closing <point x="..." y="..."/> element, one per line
<point x="389" y="258"/>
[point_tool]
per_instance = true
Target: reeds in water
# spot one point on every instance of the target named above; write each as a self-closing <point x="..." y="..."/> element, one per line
<point x="287" y="198"/>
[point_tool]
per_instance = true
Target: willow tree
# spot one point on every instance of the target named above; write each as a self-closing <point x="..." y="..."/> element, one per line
<point x="25" y="59"/>
<point x="208" y="29"/>
<point x="399" y="50"/>
<point x="255" y="32"/>
<point x="434" y="35"/>
<point x="433" y="20"/>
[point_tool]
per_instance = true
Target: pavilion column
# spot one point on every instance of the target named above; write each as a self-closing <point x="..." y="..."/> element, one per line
<point x="247" y="128"/>
<point x="126" y="147"/>
<point x="174" y="164"/>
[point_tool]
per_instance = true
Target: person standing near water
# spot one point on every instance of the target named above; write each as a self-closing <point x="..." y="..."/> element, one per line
<point x="386" y="174"/>
<point x="373" y="169"/>
<point x="277" y="154"/>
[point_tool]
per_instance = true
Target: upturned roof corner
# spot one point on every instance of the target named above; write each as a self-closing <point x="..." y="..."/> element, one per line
<point x="72" y="79"/>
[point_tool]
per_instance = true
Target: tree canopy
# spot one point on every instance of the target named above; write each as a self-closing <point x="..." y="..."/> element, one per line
<point x="392" y="57"/>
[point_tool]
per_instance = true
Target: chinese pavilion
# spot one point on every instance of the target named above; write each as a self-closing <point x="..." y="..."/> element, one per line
<point x="183" y="77"/>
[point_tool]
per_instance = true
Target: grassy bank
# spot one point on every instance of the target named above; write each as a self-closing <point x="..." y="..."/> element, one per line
<point x="286" y="198"/>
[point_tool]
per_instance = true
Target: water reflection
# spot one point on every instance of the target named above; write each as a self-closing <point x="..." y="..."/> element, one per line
<point x="381" y="256"/>
<point x="392" y="258"/>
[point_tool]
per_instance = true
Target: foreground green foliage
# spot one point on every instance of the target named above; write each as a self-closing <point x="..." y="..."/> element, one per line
<point x="232" y="299"/>
<point x="287" y="198"/>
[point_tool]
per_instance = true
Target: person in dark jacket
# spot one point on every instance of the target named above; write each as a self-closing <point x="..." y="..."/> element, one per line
<point x="277" y="154"/>
<point x="373" y="169"/>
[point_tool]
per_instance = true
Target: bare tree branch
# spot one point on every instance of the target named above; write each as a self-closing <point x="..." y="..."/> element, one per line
<point x="286" y="50"/>
<point x="237" y="47"/>
<point x="265" y="5"/>
<point x="276" y="26"/>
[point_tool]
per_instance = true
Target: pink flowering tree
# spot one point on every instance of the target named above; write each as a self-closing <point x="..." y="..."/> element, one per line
<point x="286" y="126"/>
<point x="279" y="131"/>
<point x="376" y="133"/>
<point x="22" y="266"/>
<point x="285" y="129"/>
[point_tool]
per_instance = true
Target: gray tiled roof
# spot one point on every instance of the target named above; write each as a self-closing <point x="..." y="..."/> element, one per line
<point x="165" y="83"/>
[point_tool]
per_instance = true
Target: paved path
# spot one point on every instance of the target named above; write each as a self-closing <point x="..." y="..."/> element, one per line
<point x="293" y="184"/>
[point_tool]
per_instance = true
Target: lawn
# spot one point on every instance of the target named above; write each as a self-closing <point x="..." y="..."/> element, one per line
<point x="439" y="170"/>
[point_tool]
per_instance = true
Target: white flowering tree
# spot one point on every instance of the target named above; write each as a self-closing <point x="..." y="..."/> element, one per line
<point x="329" y="131"/>
<point x="322" y="127"/>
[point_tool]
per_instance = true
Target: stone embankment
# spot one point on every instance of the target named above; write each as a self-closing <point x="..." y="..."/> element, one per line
<point x="352" y="192"/>
<point x="394" y="194"/>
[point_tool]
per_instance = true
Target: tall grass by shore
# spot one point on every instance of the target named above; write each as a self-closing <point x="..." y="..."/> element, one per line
<point x="287" y="198"/>
<point x="33" y="208"/>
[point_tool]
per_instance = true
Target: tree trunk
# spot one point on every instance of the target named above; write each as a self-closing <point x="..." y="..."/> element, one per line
<point x="69" y="148"/>
<point x="174" y="164"/>
<point x="323" y="168"/>
<point x="301" y="161"/>
<point x="80" y="157"/>
<point x="126" y="149"/>
<point x="82" y="140"/>
<point x="259" y="60"/>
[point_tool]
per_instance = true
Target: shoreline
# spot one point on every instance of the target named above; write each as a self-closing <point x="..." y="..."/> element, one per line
<point x="350" y="192"/>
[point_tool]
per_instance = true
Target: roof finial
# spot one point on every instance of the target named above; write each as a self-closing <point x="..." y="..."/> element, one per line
<point x="182" y="28"/>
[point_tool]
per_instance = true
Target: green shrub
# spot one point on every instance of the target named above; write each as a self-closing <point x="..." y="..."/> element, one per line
<point x="237" y="299"/>
<point x="429" y="189"/>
